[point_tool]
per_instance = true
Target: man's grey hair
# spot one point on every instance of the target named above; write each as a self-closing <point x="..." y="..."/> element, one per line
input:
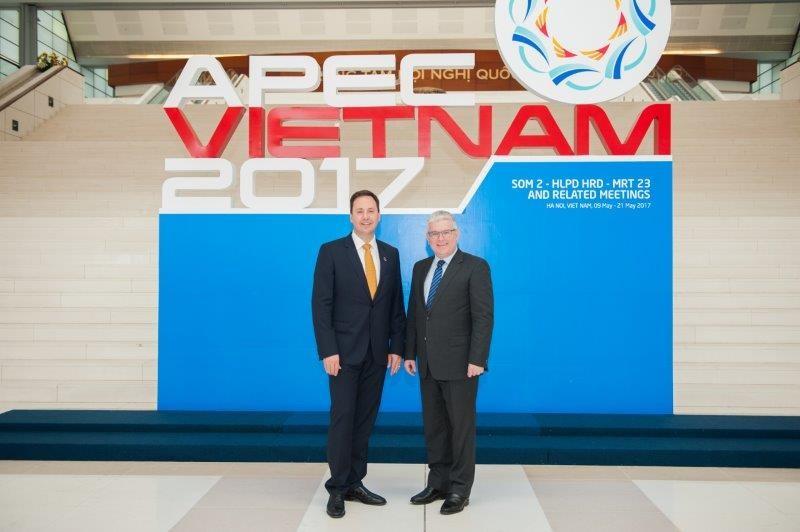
<point x="442" y="215"/>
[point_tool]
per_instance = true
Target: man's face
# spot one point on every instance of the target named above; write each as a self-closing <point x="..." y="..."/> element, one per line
<point x="365" y="217"/>
<point x="442" y="238"/>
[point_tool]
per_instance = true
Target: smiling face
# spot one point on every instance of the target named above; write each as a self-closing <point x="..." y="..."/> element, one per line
<point x="443" y="237"/>
<point x="365" y="217"/>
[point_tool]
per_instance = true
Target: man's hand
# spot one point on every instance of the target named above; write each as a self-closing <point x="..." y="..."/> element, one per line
<point x="394" y="363"/>
<point x="331" y="365"/>
<point x="411" y="367"/>
<point x="474" y="371"/>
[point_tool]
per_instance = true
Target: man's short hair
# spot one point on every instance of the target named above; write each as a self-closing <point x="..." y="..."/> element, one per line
<point x="442" y="215"/>
<point x="361" y="193"/>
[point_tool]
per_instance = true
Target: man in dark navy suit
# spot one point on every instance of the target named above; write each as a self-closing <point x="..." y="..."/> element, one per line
<point x="359" y="324"/>
<point x="450" y="321"/>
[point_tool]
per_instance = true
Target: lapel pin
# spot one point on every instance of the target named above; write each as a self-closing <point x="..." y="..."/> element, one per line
<point x="384" y="259"/>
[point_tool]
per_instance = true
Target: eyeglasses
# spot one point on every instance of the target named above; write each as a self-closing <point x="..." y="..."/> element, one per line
<point x="433" y="235"/>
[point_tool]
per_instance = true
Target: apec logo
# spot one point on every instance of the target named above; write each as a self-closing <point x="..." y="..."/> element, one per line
<point x="576" y="51"/>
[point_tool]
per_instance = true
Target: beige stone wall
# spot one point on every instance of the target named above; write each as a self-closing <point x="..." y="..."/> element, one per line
<point x="33" y="109"/>
<point x="790" y="82"/>
<point x="78" y="248"/>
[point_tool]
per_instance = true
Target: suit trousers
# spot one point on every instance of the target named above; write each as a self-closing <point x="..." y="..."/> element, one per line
<point x="448" y="416"/>
<point x="355" y="399"/>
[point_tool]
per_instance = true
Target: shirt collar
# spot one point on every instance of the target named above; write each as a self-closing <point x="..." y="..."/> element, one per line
<point x="446" y="259"/>
<point x="359" y="243"/>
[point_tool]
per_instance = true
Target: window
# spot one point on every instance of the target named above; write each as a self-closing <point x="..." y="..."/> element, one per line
<point x="768" y="80"/>
<point x="53" y="37"/>
<point x="96" y="83"/>
<point x="9" y="41"/>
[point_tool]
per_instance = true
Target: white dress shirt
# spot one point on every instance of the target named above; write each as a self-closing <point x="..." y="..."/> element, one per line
<point x="376" y="259"/>
<point x="429" y="277"/>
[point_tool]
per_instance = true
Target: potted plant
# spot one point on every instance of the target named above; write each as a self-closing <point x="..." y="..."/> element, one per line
<point x="45" y="60"/>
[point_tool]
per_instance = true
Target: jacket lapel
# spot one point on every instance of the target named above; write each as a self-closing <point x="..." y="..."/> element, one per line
<point x="383" y="267"/>
<point x="449" y="273"/>
<point x="358" y="268"/>
<point x="420" y="288"/>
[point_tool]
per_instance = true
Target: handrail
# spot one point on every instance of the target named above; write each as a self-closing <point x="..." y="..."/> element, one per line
<point x="653" y="90"/>
<point x="660" y="81"/>
<point x="17" y="78"/>
<point x="162" y="93"/>
<point x="690" y="83"/>
<point x="24" y="81"/>
<point x="150" y="94"/>
<point x="675" y="84"/>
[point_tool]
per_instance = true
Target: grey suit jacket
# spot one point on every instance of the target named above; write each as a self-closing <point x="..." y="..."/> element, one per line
<point x="457" y="330"/>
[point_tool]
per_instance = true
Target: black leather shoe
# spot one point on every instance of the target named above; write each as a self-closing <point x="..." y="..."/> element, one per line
<point x="335" y="507"/>
<point x="362" y="494"/>
<point x="454" y="503"/>
<point x="427" y="496"/>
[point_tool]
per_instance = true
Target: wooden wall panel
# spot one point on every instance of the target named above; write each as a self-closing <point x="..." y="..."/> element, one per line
<point x="489" y="74"/>
<point x="712" y="67"/>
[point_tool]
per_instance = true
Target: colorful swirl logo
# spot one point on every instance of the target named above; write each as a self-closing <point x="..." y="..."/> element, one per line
<point x="579" y="51"/>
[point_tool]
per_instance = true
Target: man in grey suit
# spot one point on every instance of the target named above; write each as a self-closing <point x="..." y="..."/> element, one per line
<point x="448" y="332"/>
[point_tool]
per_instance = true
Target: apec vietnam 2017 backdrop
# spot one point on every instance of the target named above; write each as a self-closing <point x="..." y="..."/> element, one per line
<point x="581" y="258"/>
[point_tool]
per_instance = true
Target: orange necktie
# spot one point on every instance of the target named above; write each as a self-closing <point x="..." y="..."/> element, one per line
<point x="369" y="267"/>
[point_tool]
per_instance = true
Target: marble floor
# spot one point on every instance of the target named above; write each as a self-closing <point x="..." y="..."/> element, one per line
<point x="180" y="496"/>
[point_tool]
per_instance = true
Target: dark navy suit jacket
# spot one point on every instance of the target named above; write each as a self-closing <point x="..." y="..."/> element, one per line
<point x="347" y="320"/>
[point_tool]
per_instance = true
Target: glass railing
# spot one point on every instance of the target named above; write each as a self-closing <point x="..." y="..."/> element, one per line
<point x="654" y="90"/>
<point x="661" y="86"/>
<point x="205" y="79"/>
<point x="769" y="81"/>
<point x="658" y="86"/>
<point x="675" y="84"/>
<point x="688" y="84"/>
<point x="159" y="98"/>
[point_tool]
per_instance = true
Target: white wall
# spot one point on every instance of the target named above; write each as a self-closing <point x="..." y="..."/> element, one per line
<point x="126" y="91"/>
<point x="729" y="86"/>
<point x="78" y="248"/>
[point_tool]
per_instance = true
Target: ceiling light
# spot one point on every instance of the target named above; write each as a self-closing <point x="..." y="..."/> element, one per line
<point x="699" y="51"/>
<point x="176" y="56"/>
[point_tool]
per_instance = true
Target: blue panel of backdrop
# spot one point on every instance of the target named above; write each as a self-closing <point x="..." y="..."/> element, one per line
<point x="583" y="319"/>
